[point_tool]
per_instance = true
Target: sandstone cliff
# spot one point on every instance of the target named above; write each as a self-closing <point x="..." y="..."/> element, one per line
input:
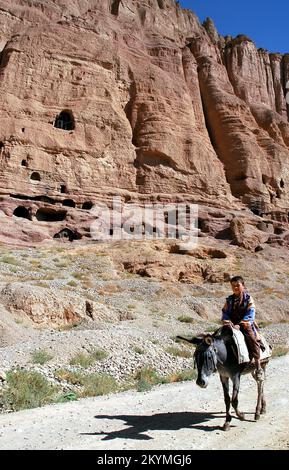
<point x="137" y="99"/>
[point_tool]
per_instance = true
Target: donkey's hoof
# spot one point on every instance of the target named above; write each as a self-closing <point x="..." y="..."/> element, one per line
<point x="226" y="426"/>
<point x="257" y="417"/>
<point x="241" y="416"/>
<point x="263" y="411"/>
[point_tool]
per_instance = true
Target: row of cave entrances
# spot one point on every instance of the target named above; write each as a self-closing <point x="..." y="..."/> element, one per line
<point x="45" y="214"/>
<point x="50" y="215"/>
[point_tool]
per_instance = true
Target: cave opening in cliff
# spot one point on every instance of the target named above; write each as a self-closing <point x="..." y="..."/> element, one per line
<point x="114" y="9"/>
<point x="63" y="189"/>
<point x="35" y="176"/>
<point x="282" y="184"/>
<point x="140" y="180"/>
<point x="65" y="121"/>
<point x="153" y="158"/>
<point x="202" y="225"/>
<point x="257" y="211"/>
<point x="68" y="203"/>
<point x="265" y="179"/>
<point x="24" y="163"/>
<point x="87" y="205"/>
<point x="66" y="235"/>
<point x="22" y="212"/>
<point x="1" y="145"/>
<point x="161" y="4"/>
<point x="46" y="214"/>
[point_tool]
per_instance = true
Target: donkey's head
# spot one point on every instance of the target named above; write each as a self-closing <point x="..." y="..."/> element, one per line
<point x="205" y="359"/>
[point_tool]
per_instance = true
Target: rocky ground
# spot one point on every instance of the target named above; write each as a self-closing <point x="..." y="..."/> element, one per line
<point x="128" y="300"/>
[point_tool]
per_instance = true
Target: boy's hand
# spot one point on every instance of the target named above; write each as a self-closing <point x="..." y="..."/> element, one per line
<point x="245" y="324"/>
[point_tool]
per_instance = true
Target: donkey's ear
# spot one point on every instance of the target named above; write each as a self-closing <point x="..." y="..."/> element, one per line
<point x="181" y="338"/>
<point x="197" y="340"/>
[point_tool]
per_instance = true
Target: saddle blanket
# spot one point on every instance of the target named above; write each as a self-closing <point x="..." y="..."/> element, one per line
<point x="243" y="355"/>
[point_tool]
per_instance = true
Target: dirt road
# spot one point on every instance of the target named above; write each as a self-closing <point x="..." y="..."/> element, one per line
<point x="177" y="416"/>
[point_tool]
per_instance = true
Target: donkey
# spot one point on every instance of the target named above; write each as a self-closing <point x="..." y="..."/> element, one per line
<point x="217" y="352"/>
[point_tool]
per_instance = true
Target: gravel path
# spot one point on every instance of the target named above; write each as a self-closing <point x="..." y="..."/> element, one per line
<point x="177" y="416"/>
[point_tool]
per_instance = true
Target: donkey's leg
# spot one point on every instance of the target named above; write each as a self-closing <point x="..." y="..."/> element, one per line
<point x="225" y="384"/>
<point x="260" y="386"/>
<point x="263" y="408"/>
<point x="264" y="404"/>
<point x="235" y="401"/>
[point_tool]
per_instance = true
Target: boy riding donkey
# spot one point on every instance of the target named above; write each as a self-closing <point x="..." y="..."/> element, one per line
<point x="239" y="313"/>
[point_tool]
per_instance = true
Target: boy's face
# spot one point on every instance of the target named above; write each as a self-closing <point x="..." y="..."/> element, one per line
<point x="237" y="287"/>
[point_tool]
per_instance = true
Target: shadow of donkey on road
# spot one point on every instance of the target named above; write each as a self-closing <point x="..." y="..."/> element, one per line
<point x="139" y="424"/>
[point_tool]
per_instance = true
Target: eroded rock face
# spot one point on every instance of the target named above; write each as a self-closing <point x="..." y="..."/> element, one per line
<point x="45" y="307"/>
<point x="137" y="99"/>
<point x="246" y="235"/>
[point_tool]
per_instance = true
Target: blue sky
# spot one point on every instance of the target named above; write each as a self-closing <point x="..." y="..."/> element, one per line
<point x="266" y="22"/>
